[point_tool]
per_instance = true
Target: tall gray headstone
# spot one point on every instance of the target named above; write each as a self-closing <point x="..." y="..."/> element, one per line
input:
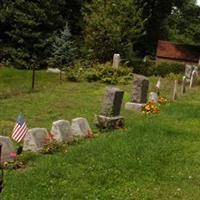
<point x="7" y="148"/>
<point x="140" y="89"/>
<point x="110" y="110"/>
<point x="35" y="139"/>
<point x="139" y="93"/>
<point x="112" y="101"/>
<point x="62" y="131"/>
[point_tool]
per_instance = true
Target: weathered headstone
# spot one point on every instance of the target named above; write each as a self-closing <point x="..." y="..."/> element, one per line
<point x="116" y="60"/>
<point x="153" y="97"/>
<point x="80" y="127"/>
<point x="139" y="93"/>
<point x="62" y="131"/>
<point x="193" y="79"/>
<point x="174" y="97"/>
<point x="188" y="72"/>
<point x="35" y="139"/>
<point x="110" y="110"/>
<point x="7" y="148"/>
<point x="183" y="88"/>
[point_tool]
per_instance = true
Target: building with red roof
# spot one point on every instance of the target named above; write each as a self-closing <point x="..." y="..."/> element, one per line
<point x="171" y="52"/>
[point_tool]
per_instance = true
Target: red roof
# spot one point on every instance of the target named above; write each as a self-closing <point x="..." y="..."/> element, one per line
<point x="170" y="50"/>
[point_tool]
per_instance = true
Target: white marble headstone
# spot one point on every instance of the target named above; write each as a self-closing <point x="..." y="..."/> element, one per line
<point x="153" y="97"/>
<point x="62" y="131"/>
<point x="35" y="139"/>
<point x="7" y="148"/>
<point x="80" y="127"/>
<point x="116" y="60"/>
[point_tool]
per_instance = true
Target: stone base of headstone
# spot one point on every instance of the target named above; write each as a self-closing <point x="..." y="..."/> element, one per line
<point x="102" y="121"/>
<point x="134" y="106"/>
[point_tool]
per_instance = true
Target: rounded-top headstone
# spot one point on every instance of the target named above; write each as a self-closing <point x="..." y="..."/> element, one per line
<point x="80" y="127"/>
<point x="35" y="139"/>
<point x="62" y="131"/>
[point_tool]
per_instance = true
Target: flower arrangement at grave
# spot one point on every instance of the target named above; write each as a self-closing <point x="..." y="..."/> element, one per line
<point x="162" y="100"/>
<point x="52" y="146"/>
<point x="15" y="162"/>
<point x="150" y="108"/>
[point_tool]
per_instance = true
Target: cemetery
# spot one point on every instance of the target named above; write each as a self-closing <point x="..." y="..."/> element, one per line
<point x="99" y="100"/>
<point x="144" y="153"/>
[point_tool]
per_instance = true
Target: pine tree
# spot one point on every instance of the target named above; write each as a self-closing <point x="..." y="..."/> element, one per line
<point x="27" y="30"/>
<point x="63" y="50"/>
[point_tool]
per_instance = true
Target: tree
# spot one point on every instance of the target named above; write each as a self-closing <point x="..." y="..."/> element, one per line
<point x="63" y="50"/>
<point x="111" y="26"/>
<point x="156" y="27"/>
<point x="184" y="26"/>
<point x="28" y="29"/>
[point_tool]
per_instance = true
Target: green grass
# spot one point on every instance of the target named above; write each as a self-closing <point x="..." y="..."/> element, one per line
<point x="157" y="157"/>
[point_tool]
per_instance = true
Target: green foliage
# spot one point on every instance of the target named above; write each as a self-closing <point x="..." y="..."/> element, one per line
<point x="163" y="69"/>
<point x="27" y="30"/>
<point x="54" y="147"/>
<point x="157" y="157"/>
<point x="184" y="26"/>
<point x="63" y="51"/>
<point x="103" y="73"/>
<point x="111" y="27"/>
<point x="156" y="27"/>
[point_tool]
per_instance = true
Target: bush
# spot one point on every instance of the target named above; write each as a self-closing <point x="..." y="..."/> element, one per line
<point x="101" y="72"/>
<point x="106" y="74"/>
<point x="164" y="69"/>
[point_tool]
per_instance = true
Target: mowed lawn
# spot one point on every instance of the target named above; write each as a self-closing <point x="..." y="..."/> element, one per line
<point x="156" y="157"/>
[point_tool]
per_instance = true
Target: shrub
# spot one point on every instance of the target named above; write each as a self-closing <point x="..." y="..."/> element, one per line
<point x="164" y="69"/>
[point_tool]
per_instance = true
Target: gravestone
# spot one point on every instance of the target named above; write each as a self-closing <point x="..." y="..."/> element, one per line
<point x="116" y="60"/>
<point x="80" y="127"/>
<point x="7" y="148"/>
<point x="188" y="72"/>
<point x="183" y="88"/>
<point x="194" y="77"/>
<point x="139" y="93"/>
<point x="110" y="110"/>
<point x="62" y="131"/>
<point x="174" y="97"/>
<point x="35" y="139"/>
<point x="153" y="97"/>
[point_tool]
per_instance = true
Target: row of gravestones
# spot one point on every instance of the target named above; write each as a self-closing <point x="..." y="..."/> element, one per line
<point x="109" y="116"/>
<point x="35" y="138"/>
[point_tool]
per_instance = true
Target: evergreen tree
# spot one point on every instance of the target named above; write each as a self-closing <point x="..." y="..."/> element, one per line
<point x="112" y="26"/>
<point x="27" y="30"/>
<point x="63" y="50"/>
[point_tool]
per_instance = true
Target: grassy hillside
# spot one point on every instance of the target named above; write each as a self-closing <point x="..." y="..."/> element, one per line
<point x="157" y="157"/>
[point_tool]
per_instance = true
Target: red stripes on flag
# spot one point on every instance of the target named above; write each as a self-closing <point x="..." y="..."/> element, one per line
<point x="19" y="132"/>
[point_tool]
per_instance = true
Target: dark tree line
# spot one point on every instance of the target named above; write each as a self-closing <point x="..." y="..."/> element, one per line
<point x="99" y="28"/>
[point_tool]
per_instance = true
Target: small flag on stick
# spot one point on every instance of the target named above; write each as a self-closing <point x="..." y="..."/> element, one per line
<point x="20" y="128"/>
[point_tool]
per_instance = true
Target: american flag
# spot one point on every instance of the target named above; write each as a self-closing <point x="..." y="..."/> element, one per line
<point x="20" y="128"/>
